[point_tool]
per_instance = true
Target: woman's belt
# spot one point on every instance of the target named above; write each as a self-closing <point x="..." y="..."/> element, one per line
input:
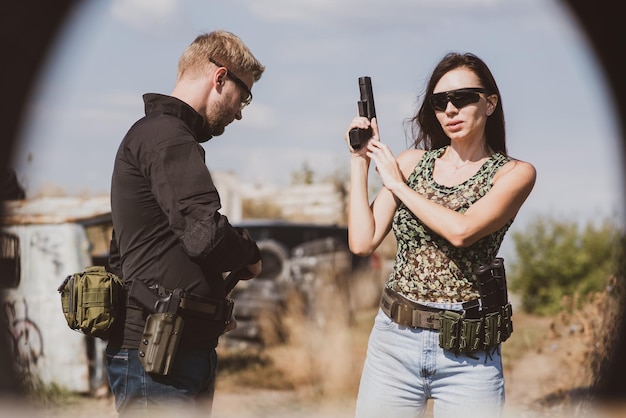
<point x="409" y="313"/>
<point x="458" y="331"/>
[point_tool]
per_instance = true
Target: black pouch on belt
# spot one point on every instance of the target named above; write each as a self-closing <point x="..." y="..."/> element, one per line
<point x="491" y="282"/>
<point x="480" y="326"/>
<point x="495" y="307"/>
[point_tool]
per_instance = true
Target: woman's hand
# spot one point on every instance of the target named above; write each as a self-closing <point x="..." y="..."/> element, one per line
<point x="386" y="164"/>
<point x="368" y="222"/>
<point x="362" y="122"/>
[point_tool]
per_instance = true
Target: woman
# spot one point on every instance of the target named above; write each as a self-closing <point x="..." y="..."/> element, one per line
<point x="449" y="201"/>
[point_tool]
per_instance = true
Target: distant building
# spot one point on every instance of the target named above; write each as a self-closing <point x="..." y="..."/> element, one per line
<point x="45" y="239"/>
<point x="41" y="242"/>
<point x="229" y="189"/>
<point x="323" y="203"/>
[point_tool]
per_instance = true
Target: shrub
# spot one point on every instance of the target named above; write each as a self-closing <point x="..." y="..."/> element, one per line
<point x="557" y="258"/>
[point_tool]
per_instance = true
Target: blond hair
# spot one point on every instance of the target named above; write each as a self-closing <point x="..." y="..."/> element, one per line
<point x="223" y="47"/>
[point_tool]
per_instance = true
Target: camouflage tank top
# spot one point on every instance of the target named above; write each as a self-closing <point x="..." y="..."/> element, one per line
<point x="427" y="267"/>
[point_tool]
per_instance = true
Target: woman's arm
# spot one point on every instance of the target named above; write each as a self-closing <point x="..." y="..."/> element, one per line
<point x="368" y="225"/>
<point x="512" y="185"/>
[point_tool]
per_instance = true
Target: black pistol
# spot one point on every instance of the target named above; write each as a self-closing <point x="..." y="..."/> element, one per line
<point x="359" y="137"/>
<point x="233" y="278"/>
<point x="151" y="301"/>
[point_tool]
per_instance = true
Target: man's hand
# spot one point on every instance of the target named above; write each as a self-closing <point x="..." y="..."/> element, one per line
<point x="253" y="271"/>
<point x="246" y="273"/>
<point x="231" y="325"/>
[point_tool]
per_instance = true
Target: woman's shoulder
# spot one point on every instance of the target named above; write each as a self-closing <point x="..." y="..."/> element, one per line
<point x="517" y="168"/>
<point x="407" y="160"/>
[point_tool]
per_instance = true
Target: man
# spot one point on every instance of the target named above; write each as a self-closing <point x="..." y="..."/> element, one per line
<point x="167" y="230"/>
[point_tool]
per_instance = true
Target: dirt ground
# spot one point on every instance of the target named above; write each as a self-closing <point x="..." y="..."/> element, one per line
<point x="544" y="365"/>
<point x="545" y="380"/>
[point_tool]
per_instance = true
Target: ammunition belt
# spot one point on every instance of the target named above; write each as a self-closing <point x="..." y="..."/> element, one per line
<point x="457" y="332"/>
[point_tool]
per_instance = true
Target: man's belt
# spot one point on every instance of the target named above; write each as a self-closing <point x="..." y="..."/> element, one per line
<point x="216" y="309"/>
<point x="409" y="313"/>
<point x="158" y="299"/>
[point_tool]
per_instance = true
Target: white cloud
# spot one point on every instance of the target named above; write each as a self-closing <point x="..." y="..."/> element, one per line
<point x="263" y="164"/>
<point x="148" y="15"/>
<point x="121" y="99"/>
<point x="329" y="11"/>
<point x="314" y="49"/>
<point x="310" y="50"/>
<point x="261" y="116"/>
<point x="303" y="11"/>
<point x="108" y="110"/>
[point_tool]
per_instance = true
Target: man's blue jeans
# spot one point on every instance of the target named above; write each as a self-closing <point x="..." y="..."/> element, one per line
<point x="187" y="389"/>
<point x="405" y="367"/>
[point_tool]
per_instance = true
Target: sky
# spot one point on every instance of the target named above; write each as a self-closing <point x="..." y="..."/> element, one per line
<point x="559" y="112"/>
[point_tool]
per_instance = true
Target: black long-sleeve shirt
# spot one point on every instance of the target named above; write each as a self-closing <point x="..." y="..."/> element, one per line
<point x="166" y="221"/>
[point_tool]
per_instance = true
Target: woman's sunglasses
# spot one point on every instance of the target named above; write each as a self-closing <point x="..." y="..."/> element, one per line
<point x="459" y="98"/>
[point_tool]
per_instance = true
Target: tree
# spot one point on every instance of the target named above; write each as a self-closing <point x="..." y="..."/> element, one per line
<point x="557" y="258"/>
<point x="306" y="175"/>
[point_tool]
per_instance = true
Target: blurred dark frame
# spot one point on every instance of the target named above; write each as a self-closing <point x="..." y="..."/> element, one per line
<point x="29" y="27"/>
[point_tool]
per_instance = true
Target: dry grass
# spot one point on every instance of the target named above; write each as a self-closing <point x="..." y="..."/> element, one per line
<point x="323" y="352"/>
<point x="550" y="362"/>
<point x="557" y="373"/>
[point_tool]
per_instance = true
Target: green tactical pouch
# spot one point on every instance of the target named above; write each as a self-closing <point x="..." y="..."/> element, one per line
<point x="493" y="335"/>
<point x="159" y="342"/>
<point x="471" y="335"/>
<point x="449" y="330"/>
<point x="91" y="299"/>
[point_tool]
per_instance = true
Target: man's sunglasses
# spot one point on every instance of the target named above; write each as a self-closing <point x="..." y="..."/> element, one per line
<point x="245" y="102"/>
<point x="459" y="98"/>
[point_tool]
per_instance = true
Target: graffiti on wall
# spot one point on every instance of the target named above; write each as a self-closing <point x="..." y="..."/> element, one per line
<point x="23" y="333"/>
<point x="43" y="243"/>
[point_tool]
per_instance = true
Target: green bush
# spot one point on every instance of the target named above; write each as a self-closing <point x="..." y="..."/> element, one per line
<point x="557" y="258"/>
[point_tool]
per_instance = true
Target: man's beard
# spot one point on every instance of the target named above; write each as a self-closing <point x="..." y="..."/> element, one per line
<point x="218" y="118"/>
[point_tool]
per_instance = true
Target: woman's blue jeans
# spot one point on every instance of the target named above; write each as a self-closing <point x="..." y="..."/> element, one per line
<point x="405" y="367"/>
<point x="185" y="391"/>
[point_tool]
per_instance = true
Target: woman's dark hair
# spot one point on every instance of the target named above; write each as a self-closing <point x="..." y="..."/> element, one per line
<point x="426" y="129"/>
